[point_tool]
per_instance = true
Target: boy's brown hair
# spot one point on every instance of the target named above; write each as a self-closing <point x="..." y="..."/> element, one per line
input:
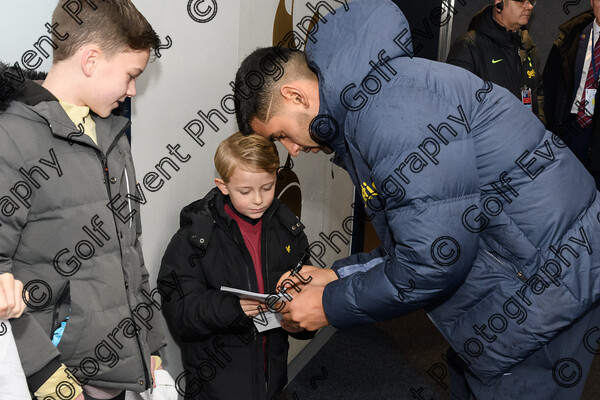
<point x="115" y="25"/>
<point x="252" y="153"/>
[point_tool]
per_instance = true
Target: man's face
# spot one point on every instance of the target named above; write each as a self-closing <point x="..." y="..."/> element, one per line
<point x="515" y="14"/>
<point x="596" y="7"/>
<point x="114" y="79"/>
<point x="290" y="129"/>
<point x="251" y="193"/>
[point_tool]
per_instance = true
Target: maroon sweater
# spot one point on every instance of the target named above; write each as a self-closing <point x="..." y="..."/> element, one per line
<point x="252" y="238"/>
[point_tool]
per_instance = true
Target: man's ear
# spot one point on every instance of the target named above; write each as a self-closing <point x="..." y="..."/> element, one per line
<point x="294" y="94"/>
<point x="90" y="57"/>
<point x="221" y="185"/>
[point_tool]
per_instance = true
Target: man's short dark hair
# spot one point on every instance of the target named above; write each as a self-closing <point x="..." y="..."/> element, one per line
<point x="259" y="76"/>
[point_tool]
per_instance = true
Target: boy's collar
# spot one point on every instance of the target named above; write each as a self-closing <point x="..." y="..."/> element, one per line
<point x="252" y="221"/>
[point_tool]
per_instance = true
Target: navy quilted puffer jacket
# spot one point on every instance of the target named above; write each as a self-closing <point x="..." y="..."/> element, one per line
<point x="486" y="218"/>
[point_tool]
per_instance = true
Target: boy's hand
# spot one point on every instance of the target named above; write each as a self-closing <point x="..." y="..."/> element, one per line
<point x="250" y="307"/>
<point x="309" y="275"/>
<point x="11" y="297"/>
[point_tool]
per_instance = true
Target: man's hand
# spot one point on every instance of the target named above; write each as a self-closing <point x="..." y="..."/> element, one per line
<point x="306" y="309"/>
<point x="291" y="327"/>
<point x="250" y="307"/>
<point x="309" y="275"/>
<point x="11" y="297"/>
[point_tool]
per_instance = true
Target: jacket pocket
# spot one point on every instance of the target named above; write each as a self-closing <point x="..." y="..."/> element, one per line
<point x="504" y="265"/>
<point x="78" y="319"/>
<point x="61" y="309"/>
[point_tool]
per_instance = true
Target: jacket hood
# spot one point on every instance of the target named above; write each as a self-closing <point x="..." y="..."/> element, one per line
<point x="200" y="208"/>
<point x="484" y="23"/>
<point x="345" y="43"/>
<point x="16" y="84"/>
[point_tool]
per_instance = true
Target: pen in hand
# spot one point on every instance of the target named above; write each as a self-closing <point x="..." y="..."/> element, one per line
<point x="300" y="264"/>
<point x="294" y="271"/>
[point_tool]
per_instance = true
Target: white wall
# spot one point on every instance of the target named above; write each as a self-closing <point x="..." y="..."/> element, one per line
<point x="193" y="75"/>
<point x="21" y="25"/>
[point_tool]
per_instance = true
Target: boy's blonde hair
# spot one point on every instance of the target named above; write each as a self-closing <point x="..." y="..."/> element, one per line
<point x="252" y="153"/>
<point x="115" y="25"/>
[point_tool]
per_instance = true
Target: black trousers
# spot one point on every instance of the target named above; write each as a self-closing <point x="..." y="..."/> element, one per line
<point x="579" y="141"/>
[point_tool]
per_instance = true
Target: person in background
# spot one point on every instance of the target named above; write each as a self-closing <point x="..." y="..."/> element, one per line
<point x="571" y="75"/>
<point x="498" y="48"/>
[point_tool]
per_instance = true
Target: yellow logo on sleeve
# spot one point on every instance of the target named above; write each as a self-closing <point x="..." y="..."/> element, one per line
<point x="368" y="192"/>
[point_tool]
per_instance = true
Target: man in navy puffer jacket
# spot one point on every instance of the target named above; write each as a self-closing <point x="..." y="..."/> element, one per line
<point x="486" y="219"/>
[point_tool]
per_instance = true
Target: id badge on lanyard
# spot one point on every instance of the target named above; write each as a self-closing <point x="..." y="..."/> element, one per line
<point x="590" y="101"/>
<point x="590" y="94"/>
<point x="526" y="97"/>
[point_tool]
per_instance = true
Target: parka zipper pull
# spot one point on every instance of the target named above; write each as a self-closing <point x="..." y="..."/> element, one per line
<point x="105" y="166"/>
<point x="520" y="274"/>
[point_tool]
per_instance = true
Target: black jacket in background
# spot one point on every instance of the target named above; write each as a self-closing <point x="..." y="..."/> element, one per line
<point x="486" y="42"/>
<point x="562" y="81"/>
<point x="222" y="355"/>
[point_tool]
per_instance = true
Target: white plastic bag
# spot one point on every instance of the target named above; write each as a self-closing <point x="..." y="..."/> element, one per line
<point x="13" y="385"/>
<point x="164" y="390"/>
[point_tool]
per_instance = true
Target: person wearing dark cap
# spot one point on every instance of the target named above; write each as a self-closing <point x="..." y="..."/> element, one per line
<point x="499" y="49"/>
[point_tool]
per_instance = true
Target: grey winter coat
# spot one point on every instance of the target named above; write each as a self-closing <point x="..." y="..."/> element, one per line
<point x="69" y="228"/>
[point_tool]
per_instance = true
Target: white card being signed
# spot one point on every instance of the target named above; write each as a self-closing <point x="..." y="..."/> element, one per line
<point x="267" y="318"/>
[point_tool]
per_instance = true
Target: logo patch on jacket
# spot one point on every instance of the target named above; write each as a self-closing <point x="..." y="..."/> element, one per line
<point x="531" y="74"/>
<point x="288" y="248"/>
<point x="494" y="61"/>
<point x="368" y="192"/>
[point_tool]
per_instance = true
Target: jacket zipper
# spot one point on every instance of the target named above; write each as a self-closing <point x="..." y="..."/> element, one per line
<point x="104" y="161"/>
<point x="106" y="175"/>
<point x="520" y="274"/>
<point x="250" y="289"/>
<point x="266" y="282"/>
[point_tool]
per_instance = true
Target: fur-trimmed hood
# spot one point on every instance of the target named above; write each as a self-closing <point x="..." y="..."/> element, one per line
<point x="14" y="81"/>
